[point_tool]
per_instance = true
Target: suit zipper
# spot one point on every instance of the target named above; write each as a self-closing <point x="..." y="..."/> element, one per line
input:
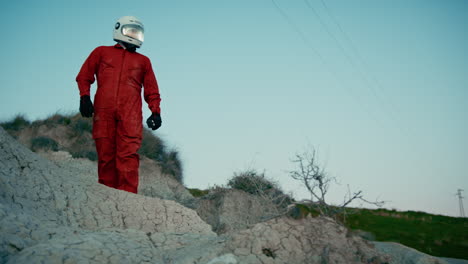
<point x="120" y="76"/>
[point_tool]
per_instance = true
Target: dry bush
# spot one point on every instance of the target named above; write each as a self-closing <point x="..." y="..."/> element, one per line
<point x="266" y="190"/>
<point x="18" y="123"/>
<point x="44" y="144"/>
<point x="317" y="182"/>
<point x="154" y="148"/>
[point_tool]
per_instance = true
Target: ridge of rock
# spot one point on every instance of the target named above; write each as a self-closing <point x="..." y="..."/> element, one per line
<point x="58" y="213"/>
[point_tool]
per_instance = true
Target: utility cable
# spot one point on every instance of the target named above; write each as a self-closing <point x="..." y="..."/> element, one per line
<point x="324" y="62"/>
<point x="393" y="110"/>
<point x="354" y="65"/>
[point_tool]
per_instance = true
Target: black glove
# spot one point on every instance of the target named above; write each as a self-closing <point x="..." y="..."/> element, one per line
<point x="154" y="121"/>
<point x="86" y="106"/>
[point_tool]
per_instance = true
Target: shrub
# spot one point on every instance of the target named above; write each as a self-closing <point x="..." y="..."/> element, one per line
<point x="83" y="147"/>
<point x="82" y="125"/>
<point x="255" y="183"/>
<point x="152" y="146"/>
<point x="251" y="181"/>
<point x="43" y="143"/>
<point x="172" y="165"/>
<point x="17" y="123"/>
<point x="88" y="154"/>
<point x="58" y="119"/>
<point x="53" y="120"/>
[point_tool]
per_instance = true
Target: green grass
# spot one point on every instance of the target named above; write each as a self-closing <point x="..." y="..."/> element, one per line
<point x="197" y="192"/>
<point x="437" y="235"/>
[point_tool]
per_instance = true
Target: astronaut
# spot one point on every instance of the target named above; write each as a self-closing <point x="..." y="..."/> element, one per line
<point x="117" y="112"/>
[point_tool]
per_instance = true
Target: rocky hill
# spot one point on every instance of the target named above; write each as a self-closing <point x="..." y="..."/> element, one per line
<point x="70" y="136"/>
<point x="52" y="210"/>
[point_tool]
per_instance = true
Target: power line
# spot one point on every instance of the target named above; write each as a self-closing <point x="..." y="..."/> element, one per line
<point x="324" y="62"/>
<point x="460" y="202"/>
<point x="298" y="31"/>
<point x="347" y="56"/>
<point x="394" y="112"/>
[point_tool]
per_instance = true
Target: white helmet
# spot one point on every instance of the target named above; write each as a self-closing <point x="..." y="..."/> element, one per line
<point x="130" y="30"/>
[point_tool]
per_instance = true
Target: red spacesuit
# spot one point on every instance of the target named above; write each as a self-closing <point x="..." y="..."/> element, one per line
<point x="117" y="123"/>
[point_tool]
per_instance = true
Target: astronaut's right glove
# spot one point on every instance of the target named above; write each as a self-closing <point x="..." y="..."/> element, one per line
<point x="86" y="106"/>
<point x="154" y="121"/>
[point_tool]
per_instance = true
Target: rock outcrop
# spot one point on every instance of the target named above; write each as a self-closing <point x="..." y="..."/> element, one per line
<point x="230" y="210"/>
<point x="308" y="240"/>
<point x="73" y="134"/>
<point x="401" y="254"/>
<point x="153" y="183"/>
<point x="56" y="212"/>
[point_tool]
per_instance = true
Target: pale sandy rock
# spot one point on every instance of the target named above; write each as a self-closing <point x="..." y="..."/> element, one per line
<point x="455" y="261"/>
<point x="117" y="246"/>
<point x="58" y="213"/>
<point x="41" y="199"/>
<point x="230" y="210"/>
<point x="224" y="259"/>
<point x="309" y="240"/>
<point x="152" y="182"/>
<point x="405" y="255"/>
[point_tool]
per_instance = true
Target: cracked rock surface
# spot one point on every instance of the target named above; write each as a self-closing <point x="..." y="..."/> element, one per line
<point x="230" y="210"/>
<point x="309" y="240"/>
<point x="153" y="182"/>
<point x="56" y="212"/>
<point x="61" y="215"/>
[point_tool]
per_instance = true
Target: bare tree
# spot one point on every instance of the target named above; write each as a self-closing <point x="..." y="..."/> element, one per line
<point x="317" y="182"/>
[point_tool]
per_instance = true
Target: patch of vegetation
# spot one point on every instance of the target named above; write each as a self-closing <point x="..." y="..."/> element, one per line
<point x="17" y="123"/>
<point x="436" y="235"/>
<point x="197" y="192"/>
<point x="154" y="148"/>
<point x="172" y="165"/>
<point x="300" y="211"/>
<point x="256" y="183"/>
<point x="53" y="120"/>
<point x="44" y="144"/>
<point x="252" y="182"/>
<point x="82" y="125"/>
<point x="87" y="154"/>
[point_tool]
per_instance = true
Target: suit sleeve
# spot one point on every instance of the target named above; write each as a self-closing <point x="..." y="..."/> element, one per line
<point x="86" y="75"/>
<point x="151" y="90"/>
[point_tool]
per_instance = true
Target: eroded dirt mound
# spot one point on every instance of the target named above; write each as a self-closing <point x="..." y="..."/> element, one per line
<point x="58" y="213"/>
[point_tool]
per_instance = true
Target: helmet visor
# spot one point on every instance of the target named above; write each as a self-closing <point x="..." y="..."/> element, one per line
<point x="133" y="31"/>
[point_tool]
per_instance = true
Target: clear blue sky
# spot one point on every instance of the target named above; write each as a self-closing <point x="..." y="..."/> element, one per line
<point x="380" y="88"/>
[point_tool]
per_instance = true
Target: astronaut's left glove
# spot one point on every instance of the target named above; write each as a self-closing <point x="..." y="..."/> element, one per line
<point x="86" y="106"/>
<point x="154" y="121"/>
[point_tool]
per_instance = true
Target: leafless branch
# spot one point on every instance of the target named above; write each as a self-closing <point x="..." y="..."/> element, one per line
<point x="317" y="182"/>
